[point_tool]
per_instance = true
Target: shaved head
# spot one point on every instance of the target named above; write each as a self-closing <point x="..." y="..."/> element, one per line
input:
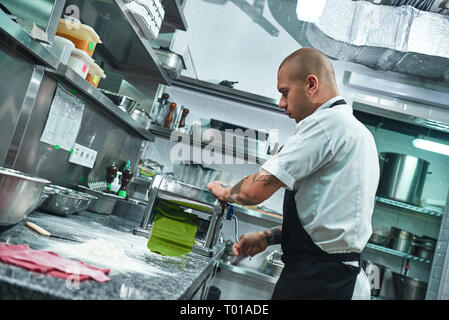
<point x="310" y="61"/>
<point x="306" y="80"/>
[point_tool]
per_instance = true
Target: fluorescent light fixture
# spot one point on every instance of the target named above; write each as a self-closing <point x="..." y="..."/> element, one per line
<point x="310" y="10"/>
<point x="431" y="146"/>
<point x="396" y="89"/>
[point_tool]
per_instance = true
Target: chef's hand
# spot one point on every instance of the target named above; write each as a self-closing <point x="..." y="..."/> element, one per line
<point x="250" y="244"/>
<point x="218" y="188"/>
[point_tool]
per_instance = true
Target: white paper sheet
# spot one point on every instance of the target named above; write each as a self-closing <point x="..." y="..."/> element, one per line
<point x="64" y="120"/>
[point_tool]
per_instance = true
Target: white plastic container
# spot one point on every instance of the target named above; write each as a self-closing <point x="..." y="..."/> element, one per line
<point x="62" y="48"/>
<point x="80" y="62"/>
<point x="83" y="36"/>
<point x="95" y="74"/>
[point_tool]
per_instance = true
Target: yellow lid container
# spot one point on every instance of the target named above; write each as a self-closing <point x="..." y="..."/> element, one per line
<point x="83" y="36"/>
<point x="95" y="75"/>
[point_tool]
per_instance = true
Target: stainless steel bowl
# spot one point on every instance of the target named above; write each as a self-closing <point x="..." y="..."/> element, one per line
<point x="19" y="195"/>
<point x="64" y="202"/>
<point x="123" y="102"/>
<point x="142" y="117"/>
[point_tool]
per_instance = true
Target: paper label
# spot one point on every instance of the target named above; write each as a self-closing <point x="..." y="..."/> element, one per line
<point x="64" y="120"/>
<point x="84" y="68"/>
<point x="95" y="79"/>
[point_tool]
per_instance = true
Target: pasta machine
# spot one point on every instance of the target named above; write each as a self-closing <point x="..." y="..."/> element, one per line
<point x="192" y="200"/>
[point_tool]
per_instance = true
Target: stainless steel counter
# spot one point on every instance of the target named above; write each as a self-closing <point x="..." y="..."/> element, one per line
<point x="149" y="276"/>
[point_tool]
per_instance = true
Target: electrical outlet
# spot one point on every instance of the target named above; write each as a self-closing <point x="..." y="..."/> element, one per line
<point x="83" y="156"/>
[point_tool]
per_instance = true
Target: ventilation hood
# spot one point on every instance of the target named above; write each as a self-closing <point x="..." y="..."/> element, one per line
<point x="383" y="37"/>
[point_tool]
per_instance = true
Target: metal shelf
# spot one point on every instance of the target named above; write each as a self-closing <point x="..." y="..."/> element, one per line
<point x="166" y="133"/>
<point x="397" y="253"/>
<point x="410" y="207"/>
<point x="16" y="37"/>
<point x="67" y="74"/>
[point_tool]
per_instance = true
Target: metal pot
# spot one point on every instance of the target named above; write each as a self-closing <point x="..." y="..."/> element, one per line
<point x="125" y="103"/>
<point x="380" y="239"/>
<point x="402" y="240"/>
<point x="406" y="288"/>
<point x="424" y="247"/>
<point x="20" y="195"/>
<point x="142" y="117"/>
<point x="402" y="177"/>
<point x="104" y="202"/>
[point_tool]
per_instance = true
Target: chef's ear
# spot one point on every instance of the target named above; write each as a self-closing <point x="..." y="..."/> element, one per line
<point x="312" y="83"/>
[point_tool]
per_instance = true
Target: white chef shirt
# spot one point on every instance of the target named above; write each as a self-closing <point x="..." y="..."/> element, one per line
<point x="331" y="163"/>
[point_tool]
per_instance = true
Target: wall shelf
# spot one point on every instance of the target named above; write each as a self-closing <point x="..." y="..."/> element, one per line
<point x="410" y="207"/>
<point x="68" y="75"/>
<point x="397" y="253"/>
<point x="13" y="34"/>
<point x="253" y="155"/>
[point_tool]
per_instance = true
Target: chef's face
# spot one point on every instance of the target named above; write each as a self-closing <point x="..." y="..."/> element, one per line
<point x="295" y="99"/>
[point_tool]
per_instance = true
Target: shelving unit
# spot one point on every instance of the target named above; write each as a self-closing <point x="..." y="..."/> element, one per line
<point x="66" y="74"/>
<point x="260" y="157"/>
<point x="397" y="253"/>
<point x="410" y="207"/>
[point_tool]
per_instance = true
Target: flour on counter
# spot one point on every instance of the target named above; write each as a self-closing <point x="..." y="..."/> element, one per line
<point x="105" y="247"/>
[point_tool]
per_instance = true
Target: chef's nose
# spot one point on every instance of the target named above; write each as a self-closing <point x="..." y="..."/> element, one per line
<point x="282" y="103"/>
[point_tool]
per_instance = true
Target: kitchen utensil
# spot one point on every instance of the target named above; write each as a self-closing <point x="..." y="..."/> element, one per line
<point x="44" y="232"/>
<point x="142" y="117"/>
<point x="169" y="117"/>
<point x="20" y="195"/>
<point x="105" y="202"/>
<point x="406" y="288"/>
<point x="64" y="202"/>
<point x="402" y="240"/>
<point x="182" y="121"/>
<point x="163" y="101"/>
<point x="125" y="103"/>
<point x="402" y="177"/>
<point x="172" y="62"/>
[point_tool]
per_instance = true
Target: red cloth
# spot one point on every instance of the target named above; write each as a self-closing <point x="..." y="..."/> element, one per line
<point x="50" y="263"/>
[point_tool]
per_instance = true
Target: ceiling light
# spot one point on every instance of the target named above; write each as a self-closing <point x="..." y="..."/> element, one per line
<point x="431" y="146"/>
<point x="310" y="10"/>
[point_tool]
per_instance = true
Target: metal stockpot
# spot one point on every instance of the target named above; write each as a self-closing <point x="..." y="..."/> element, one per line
<point x="402" y="177"/>
<point x="406" y="288"/>
<point x="20" y="195"/>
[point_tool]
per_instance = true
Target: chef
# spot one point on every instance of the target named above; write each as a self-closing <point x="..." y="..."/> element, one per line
<point x="329" y="169"/>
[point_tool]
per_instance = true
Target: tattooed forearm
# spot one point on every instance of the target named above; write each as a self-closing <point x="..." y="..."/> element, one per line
<point x="234" y="194"/>
<point x="273" y="236"/>
<point x="266" y="179"/>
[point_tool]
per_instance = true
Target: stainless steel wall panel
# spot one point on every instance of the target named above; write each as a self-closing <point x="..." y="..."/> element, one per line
<point x="24" y="117"/>
<point x="15" y="75"/>
<point x="99" y="131"/>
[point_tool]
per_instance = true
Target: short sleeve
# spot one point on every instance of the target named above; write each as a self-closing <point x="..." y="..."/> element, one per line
<point x="303" y="153"/>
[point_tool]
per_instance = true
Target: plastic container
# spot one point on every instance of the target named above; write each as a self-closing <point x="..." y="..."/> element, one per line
<point x="80" y="62"/>
<point x="83" y="36"/>
<point x="62" y="48"/>
<point x="95" y="74"/>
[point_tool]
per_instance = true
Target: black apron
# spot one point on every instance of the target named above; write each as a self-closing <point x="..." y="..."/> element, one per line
<point x="310" y="272"/>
